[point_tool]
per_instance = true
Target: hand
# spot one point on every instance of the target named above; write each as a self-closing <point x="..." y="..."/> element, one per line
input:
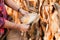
<point x="23" y="27"/>
<point x="23" y="11"/>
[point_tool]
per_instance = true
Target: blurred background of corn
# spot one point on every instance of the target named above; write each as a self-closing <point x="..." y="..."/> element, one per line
<point x="33" y="35"/>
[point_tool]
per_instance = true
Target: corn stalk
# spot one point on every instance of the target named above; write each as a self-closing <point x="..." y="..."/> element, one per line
<point x="47" y="26"/>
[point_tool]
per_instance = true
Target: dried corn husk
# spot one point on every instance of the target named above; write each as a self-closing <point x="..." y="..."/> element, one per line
<point x="27" y="19"/>
<point x="44" y="21"/>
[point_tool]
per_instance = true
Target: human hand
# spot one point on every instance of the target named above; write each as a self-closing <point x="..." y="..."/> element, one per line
<point x="23" y="12"/>
<point x="23" y="27"/>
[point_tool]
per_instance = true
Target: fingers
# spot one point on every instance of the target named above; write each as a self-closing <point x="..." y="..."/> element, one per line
<point x="23" y="27"/>
<point x="24" y="12"/>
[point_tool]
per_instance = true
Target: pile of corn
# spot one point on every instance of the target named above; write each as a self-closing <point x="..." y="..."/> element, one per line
<point x="47" y="27"/>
